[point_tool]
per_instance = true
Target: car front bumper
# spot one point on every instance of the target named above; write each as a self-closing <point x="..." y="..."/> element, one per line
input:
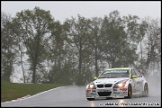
<point x="117" y="93"/>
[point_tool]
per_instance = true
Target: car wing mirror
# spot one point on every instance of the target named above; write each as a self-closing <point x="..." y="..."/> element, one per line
<point x="134" y="76"/>
<point x="142" y="73"/>
<point x="94" y="78"/>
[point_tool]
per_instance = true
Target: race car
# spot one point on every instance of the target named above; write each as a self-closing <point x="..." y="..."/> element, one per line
<point x="117" y="83"/>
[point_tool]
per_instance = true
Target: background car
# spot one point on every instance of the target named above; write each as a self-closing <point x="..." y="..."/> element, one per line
<point x="117" y="83"/>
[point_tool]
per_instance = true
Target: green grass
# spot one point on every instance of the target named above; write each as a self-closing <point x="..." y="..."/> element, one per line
<point x="11" y="91"/>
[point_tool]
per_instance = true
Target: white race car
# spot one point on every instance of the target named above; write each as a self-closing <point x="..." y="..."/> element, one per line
<point x="117" y="83"/>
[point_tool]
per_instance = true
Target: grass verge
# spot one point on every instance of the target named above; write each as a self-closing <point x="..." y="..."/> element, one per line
<point x="11" y="91"/>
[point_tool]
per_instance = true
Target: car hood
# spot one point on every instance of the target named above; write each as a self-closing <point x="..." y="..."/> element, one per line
<point x="108" y="80"/>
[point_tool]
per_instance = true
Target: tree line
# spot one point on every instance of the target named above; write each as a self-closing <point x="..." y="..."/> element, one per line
<point x="75" y="51"/>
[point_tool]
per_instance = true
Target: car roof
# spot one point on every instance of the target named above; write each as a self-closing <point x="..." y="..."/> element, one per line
<point x="124" y="68"/>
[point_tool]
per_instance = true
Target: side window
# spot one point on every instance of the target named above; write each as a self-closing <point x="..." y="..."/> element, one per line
<point x="138" y="74"/>
<point x="132" y="73"/>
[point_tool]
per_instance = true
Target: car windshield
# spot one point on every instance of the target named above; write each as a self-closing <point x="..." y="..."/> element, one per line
<point x="114" y="74"/>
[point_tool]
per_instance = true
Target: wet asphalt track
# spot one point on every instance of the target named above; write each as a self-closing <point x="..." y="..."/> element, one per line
<point x="74" y="96"/>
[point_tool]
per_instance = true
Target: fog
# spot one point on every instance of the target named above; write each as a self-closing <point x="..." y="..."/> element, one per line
<point x="154" y="84"/>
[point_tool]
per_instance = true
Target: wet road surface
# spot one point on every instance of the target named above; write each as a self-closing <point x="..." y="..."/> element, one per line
<point x="74" y="96"/>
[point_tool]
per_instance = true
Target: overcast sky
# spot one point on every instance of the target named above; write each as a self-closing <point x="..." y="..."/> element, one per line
<point x="62" y="9"/>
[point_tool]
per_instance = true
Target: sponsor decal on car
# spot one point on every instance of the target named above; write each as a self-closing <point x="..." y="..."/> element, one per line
<point x="93" y="90"/>
<point x="139" y="83"/>
<point x="114" y="89"/>
<point x="116" y="92"/>
<point x="103" y="90"/>
<point x="125" y="93"/>
<point x="123" y="89"/>
<point x="93" y="93"/>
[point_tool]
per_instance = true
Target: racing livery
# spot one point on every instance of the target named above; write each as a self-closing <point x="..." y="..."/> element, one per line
<point x="117" y="83"/>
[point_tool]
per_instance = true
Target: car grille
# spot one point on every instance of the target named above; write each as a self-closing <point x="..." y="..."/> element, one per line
<point x="100" y="85"/>
<point x="106" y="85"/>
<point x="104" y="93"/>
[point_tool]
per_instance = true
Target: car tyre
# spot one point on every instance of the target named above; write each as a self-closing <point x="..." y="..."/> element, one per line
<point x="146" y="90"/>
<point x="90" y="99"/>
<point x="108" y="98"/>
<point x="129" y="92"/>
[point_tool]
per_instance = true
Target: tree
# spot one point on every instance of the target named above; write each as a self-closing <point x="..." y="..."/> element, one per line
<point x="117" y="50"/>
<point x="8" y="50"/>
<point x="95" y="41"/>
<point x="153" y="44"/>
<point x="57" y="53"/>
<point x="34" y="27"/>
<point x="136" y="30"/>
<point x="79" y="32"/>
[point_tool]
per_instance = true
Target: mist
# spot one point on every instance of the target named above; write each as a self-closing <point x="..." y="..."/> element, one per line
<point x="154" y="84"/>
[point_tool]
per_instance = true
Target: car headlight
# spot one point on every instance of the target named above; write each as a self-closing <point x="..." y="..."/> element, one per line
<point x="91" y="86"/>
<point x="120" y="84"/>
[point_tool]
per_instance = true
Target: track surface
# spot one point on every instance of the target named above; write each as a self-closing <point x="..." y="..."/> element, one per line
<point x="74" y="96"/>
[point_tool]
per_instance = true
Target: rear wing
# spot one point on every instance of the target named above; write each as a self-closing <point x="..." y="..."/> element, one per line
<point x="142" y="73"/>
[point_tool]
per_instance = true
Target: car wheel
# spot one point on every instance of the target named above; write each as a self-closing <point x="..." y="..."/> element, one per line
<point x="129" y="92"/>
<point x="146" y="91"/>
<point x="90" y="99"/>
<point x="108" y="98"/>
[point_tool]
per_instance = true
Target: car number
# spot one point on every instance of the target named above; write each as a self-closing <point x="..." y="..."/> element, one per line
<point x="103" y="90"/>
